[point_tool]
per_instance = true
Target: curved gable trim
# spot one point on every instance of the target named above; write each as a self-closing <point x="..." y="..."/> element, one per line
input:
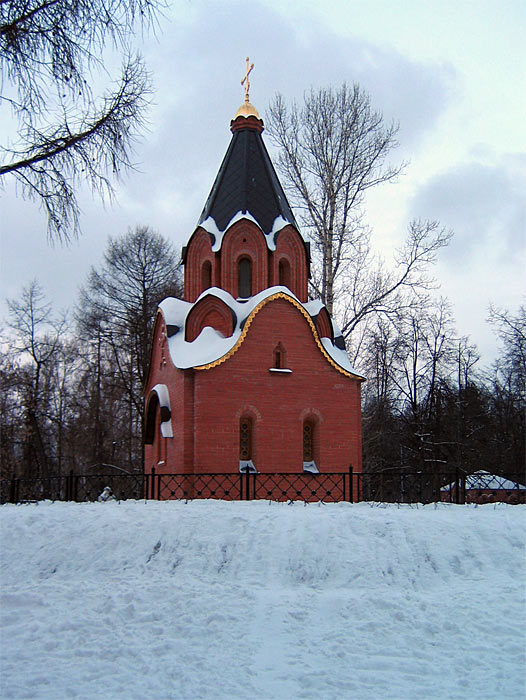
<point x="159" y="321"/>
<point x="324" y="325"/>
<point x="186" y="248"/>
<point x="245" y="225"/>
<point x="251" y="317"/>
<point x="295" y="236"/>
<point x="195" y="321"/>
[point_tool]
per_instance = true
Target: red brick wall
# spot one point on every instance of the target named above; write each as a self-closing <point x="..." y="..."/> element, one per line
<point x="206" y="405"/>
<point x="245" y="239"/>
<point x="162" y="371"/>
<point x="278" y="402"/>
<point x="199" y="249"/>
<point x="290" y="247"/>
<point x="487" y="495"/>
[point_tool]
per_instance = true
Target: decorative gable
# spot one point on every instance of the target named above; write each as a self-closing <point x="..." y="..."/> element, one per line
<point x="209" y="311"/>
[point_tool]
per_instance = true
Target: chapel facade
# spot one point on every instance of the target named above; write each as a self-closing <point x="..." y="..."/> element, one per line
<point x="246" y="373"/>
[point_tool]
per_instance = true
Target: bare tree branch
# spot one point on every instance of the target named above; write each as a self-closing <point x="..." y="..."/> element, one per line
<point x="332" y="151"/>
<point x="65" y="135"/>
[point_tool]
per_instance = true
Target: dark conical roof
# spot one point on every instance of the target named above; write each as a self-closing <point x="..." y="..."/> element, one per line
<point x="246" y="181"/>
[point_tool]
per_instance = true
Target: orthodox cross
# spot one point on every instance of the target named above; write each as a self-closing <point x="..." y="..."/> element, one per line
<point x="245" y="79"/>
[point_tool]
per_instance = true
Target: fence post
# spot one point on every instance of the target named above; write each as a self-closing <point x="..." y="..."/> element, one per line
<point x="152" y="484"/>
<point x="359" y="487"/>
<point x="351" y="485"/>
<point x="13" y="490"/>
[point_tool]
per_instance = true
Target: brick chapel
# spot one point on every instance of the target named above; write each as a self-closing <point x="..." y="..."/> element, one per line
<point x="246" y="373"/>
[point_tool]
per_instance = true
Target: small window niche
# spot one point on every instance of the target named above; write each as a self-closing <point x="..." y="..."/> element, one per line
<point x="279" y="360"/>
<point x="309" y="436"/>
<point x="244" y="278"/>
<point x="284" y="273"/>
<point x="246" y="435"/>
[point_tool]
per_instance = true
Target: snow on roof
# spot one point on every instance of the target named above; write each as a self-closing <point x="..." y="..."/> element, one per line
<point x="339" y="356"/>
<point x="483" y="480"/>
<point x="314" y="307"/>
<point x="211" y="227"/>
<point x="211" y="345"/>
<point x="335" y="350"/>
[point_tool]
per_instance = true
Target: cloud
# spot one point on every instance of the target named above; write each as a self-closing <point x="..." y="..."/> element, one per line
<point x="483" y="203"/>
<point x="197" y="68"/>
<point x="197" y="63"/>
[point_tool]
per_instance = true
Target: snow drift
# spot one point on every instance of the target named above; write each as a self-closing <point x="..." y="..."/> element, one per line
<point x="255" y="600"/>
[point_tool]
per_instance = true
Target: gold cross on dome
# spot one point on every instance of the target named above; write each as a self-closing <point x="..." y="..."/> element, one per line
<point x="245" y="79"/>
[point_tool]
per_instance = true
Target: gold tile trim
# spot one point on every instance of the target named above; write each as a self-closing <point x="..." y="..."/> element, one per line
<point x="248" y="322"/>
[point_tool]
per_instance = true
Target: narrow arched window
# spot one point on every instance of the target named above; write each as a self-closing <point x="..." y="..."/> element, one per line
<point x="245" y="439"/>
<point x="280" y="357"/>
<point x="244" y="278"/>
<point x="284" y="273"/>
<point x="152" y="410"/>
<point x="308" y="441"/>
<point x="159" y="440"/>
<point x="206" y="275"/>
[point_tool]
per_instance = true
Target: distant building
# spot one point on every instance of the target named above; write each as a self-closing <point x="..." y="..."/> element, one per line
<point x="483" y="487"/>
<point x="246" y="374"/>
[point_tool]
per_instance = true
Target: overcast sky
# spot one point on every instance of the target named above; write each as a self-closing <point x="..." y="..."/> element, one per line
<point x="451" y="72"/>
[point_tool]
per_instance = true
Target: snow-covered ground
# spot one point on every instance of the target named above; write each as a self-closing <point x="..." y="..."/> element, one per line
<point x="210" y="600"/>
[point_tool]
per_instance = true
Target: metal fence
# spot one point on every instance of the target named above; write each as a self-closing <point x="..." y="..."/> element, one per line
<point x="390" y="486"/>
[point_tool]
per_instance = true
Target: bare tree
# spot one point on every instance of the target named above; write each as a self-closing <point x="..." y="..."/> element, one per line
<point x="511" y="330"/>
<point x="37" y="342"/>
<point x="11" y="425"/>
<point x="369" y="288"/>
<point x="66" y="136"/>
<point x="117" y="310"/>
<point x="332" y="151"/>
<point x="508" y="392"/>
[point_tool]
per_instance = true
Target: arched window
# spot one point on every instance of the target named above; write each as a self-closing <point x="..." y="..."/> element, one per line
<point x="245" y="439"/>
<point x="310" y="448"/>
<point x="308" y="441"/>
<point x="206" y="275"/>
<point x="244" y="278"/>
<point x="284" y="273"/>
<point x="151" y="419"/>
